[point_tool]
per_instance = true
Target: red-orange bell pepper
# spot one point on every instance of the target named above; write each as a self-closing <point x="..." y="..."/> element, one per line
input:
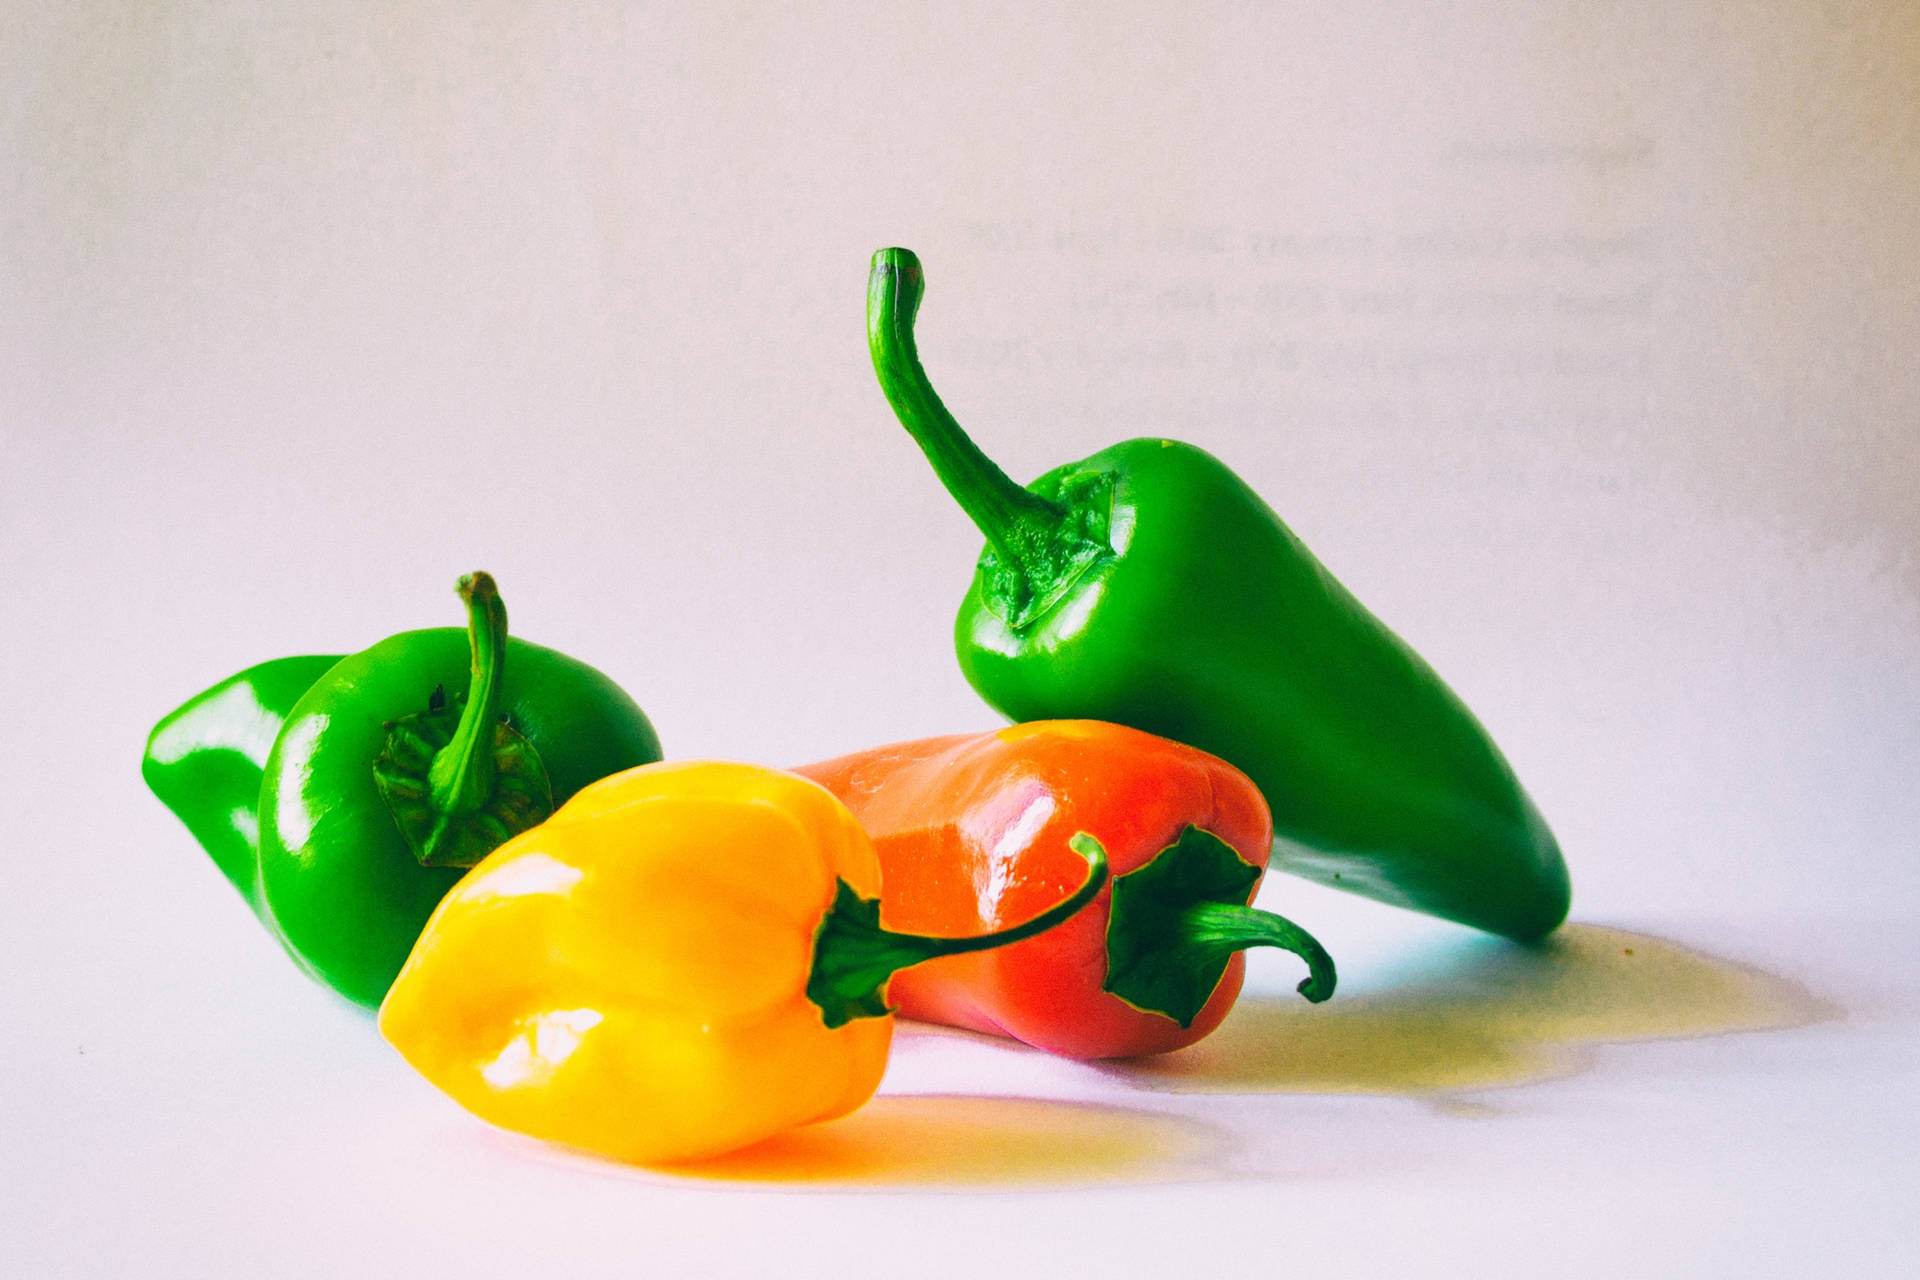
<point x="972" y="831"/>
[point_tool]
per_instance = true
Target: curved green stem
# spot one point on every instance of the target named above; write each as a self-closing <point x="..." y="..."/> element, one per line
<point x="1037" y="548"/>
<point x="1177" y="921"/>
<point x="458" y="780"/>
<point x="1018" y="524"/>
<point x="1222" y="928"/>
<point x="853" y="956"/>
<point x="462" y="773"/>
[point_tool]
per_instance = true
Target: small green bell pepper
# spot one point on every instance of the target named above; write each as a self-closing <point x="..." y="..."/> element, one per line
<point x="1150" y="586"/>
<point x="393" y="771"/>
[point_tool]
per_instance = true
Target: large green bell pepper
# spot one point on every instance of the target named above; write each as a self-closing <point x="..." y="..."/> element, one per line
<point x="1150" y="586"/>
<point x="393" y="771"/>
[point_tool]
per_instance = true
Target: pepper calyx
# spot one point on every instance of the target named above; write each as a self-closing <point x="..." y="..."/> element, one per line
<point x="1176" y="921"/>
<point x="521" y="798"/>
<point x="458" y="780"/>
<point x="1056" y="556"/>
<point x="854" y="955"/>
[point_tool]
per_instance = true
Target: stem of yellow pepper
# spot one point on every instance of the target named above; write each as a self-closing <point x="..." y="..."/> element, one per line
<point x="853" y="956"/>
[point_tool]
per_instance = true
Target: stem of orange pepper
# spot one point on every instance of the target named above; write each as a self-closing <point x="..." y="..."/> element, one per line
<point x="1174" y="923"/>
<point x="853" y="956"/>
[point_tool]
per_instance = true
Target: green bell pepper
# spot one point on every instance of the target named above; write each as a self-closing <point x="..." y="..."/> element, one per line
<point x="393" y="771"/>
<point x="1148" y="585"/>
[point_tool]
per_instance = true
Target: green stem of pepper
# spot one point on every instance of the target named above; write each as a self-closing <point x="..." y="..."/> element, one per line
<point x="1042" y="544"/>
<point x="1174" y="923"/>
<point x="1222" y="928"/>
<point x="853" y="956"/>
<point x="459" y="782"/>
<point x="462" y="775"/>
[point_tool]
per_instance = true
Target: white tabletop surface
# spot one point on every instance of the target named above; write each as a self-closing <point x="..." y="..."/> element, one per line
<point x="1579" y="346"/>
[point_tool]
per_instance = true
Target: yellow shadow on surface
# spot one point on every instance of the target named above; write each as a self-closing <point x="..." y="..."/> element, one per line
<point x="953" y="1141"/>
<point x="1507" y="1016"/>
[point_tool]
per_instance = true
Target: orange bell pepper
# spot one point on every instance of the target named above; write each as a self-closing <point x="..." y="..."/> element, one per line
<point x="972" y="831"/>
<point x="684" y="959"/>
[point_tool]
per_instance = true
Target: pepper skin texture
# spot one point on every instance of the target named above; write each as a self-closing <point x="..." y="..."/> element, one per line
<point x="1150" y="586"/>
<point x="205" y="758"/>
<point x="636" y="976"/>
<point x="972" y="830"/>
<point x="509" y="728"/>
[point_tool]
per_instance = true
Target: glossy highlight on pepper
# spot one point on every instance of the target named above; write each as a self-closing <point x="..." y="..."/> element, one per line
<point x="1148" y="585"/>
<point x="205" y="759"/>
<point x="681" y="961"/>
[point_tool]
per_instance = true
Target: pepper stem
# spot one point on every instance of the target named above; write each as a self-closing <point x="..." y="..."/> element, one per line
<point x="1043" y="545"/>
<point x="1222" y="928"/>
<point x="853" y="956"/>
<point x="457" y="778"/>
<point x="1014" y="520"/>
<point x="1176" y="921"/>
<point x="462" y="774"/>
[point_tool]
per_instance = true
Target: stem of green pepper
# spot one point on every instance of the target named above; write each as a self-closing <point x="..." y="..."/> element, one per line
<point x="1013" y="520"/>
<point x="462" y="774"/>
<point x="460" y="782"/>
<point x="1043" y="544"/>
<point x="853" y="956"/>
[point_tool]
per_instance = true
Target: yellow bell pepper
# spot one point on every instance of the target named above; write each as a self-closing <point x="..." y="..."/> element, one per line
<point x="684" y="959"/>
